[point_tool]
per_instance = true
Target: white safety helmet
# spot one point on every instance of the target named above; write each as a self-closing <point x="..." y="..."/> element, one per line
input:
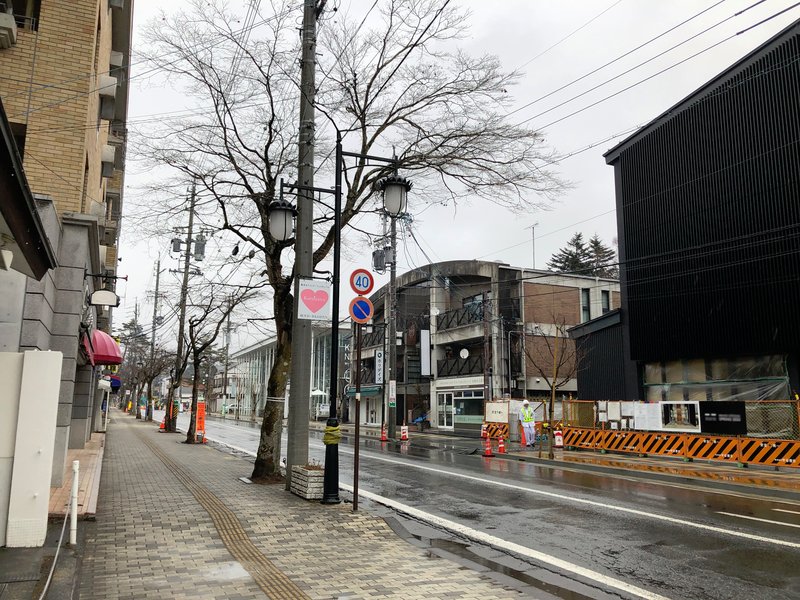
<point x="525" y="403"/>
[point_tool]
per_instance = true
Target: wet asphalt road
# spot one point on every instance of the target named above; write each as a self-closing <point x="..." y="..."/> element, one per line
<point x="669" y="540"/>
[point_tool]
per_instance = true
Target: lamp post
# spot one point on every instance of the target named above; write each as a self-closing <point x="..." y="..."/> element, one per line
<point x="395" y="194"/>
<point x="391" y="187"/>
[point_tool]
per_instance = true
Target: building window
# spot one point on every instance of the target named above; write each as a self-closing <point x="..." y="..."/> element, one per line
<point x="586" y="313"/>
<point x="605" y="297"/>
<point x="26" y="13"/>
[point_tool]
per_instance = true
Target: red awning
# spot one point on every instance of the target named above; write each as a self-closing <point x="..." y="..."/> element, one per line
<point x="106" y="349"/>
<point x="87" y="349"/>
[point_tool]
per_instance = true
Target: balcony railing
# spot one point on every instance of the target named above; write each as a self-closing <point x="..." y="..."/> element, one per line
<point x="375" y="338"/>
<point x="463" y="316"/>
<point x="454" y="367"/>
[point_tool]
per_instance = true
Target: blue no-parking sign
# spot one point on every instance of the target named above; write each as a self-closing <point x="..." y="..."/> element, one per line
<point x="361" y="309"/>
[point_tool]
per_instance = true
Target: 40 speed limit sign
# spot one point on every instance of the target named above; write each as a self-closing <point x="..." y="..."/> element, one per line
<point x="361" y="282"/>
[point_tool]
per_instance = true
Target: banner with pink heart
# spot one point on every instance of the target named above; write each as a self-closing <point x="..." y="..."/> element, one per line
<point x="313" y="300"/>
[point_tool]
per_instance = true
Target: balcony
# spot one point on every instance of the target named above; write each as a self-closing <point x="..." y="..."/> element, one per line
<point x="375" y="338"/>
<point x="469" y="315"/>
<point x="457" y="367"/>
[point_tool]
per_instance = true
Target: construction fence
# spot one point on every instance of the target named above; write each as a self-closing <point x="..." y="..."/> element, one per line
<point x="772" y="438"/>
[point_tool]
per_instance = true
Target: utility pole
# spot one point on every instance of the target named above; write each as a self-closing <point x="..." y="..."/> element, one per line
<point x="392" y="335"/>
<point x="153" y="344"/>
<point x="487" y="363"/>
<point x="171" y="423"/>
<point x="300" y="391"/>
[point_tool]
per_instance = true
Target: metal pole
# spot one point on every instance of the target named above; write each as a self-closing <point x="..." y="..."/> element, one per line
<point x="73" y="504"/>
<point x="300" y="391"/>
<point x="330" y="494"/>
<point x="227" y="358"/>
<point x="392" y="370"/>
<point x="356" y="442"/>
<point x="552" y="399"/>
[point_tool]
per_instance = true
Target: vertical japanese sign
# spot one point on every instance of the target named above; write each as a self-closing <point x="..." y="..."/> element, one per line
<point x="392" y="393"/>
<point x="379" y="367"/>
<point x="200" y="423"/>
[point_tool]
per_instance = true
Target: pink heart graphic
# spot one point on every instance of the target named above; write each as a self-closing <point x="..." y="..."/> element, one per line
<point x="314" y="300"/>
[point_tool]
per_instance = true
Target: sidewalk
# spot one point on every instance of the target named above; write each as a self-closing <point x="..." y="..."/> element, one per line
<point x="174" y="521"/>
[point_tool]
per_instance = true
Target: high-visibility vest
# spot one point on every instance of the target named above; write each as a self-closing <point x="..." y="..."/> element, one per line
<point x="527" y="414"/>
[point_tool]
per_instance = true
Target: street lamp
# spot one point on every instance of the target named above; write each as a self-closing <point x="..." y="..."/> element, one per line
<point x="395" y="191"/>
<point x="397" y="188"/>
<point x="280" y="215"/>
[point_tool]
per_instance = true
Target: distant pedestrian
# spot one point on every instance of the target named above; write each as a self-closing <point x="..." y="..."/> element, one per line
<point x="526" y="416"/>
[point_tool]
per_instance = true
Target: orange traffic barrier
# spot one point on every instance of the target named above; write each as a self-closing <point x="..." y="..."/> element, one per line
<point x="501" y="446"/>
<point x="384" y="437"/>
<point x="487" y="447"/>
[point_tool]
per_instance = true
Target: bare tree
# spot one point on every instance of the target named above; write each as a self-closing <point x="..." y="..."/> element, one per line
<point x="205" y="324"/>
<point x="553" y="356"/>
<point x="402" y="83"/>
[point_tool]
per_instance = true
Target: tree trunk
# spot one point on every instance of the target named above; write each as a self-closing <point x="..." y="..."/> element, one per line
<point x="267" y="463"/>
<point x="191" y="435"/>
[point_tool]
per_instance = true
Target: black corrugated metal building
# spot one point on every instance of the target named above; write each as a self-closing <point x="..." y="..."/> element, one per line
<point x="708" y="216"/>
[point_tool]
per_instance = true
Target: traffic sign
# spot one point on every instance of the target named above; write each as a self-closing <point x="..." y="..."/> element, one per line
<point x="361" y="281"/>
<point x="361" y="309"/>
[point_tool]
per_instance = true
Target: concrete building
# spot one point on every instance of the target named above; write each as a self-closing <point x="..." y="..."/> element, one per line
<point x="468" y="331"/>
<point x="63" y="83"/>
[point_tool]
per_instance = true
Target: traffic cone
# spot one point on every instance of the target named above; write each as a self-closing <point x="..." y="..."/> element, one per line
<point x="558" y="437"/>
<point x="487" y="447"/>
<point x="384" y="437"/>
<point x="162" y="427"/>
<point x="404" y="432"/>
<point x="501" y="446"/>
<point x="483" y="430"/>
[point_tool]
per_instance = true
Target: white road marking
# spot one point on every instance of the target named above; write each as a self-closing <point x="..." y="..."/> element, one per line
<point x="497" y="542"/>
<point x="632" y="511"/>
<point x="757" y="519"/>
<point x="783" y="510"/>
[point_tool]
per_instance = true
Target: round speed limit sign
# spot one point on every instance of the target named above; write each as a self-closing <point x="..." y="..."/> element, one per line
<point x="361" y="281"/>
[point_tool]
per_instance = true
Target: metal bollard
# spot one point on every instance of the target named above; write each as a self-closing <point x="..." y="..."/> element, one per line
<point x="73" y="521"/>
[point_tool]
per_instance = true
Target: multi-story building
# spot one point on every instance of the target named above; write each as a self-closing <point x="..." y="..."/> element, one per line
<point x="468" y="331"/>
<point x="251" y="366"/>
<point x="709" y="242"/>
<point x="63" y="84"/>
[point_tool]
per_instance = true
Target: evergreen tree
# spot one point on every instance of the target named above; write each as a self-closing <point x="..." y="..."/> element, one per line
<point x="594" y="258"/>
<point x="603" y="258"/>
<point x="574" y="257"/>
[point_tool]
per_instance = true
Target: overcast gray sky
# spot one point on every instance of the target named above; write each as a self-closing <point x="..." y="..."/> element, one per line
<point x="553" y="43"/>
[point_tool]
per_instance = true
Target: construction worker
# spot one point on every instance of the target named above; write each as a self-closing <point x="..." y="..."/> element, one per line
<point x="526" y="417"/>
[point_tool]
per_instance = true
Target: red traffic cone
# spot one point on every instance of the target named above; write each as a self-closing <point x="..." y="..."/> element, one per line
<point x="384" y="437"/>
<point x="163" y="424"/>
<point x="487" y="447"/>
<point x="483" y="430"/>
<point x="404" y="433"/>
<point x="501" y="446"/>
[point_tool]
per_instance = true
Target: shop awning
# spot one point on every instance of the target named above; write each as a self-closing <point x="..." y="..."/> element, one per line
<point x="106" y="350"/>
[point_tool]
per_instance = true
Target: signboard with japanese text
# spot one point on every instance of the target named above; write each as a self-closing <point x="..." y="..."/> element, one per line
<point x="495" y="412"/>
<point x="314" y="299"/>
<point x="392" y="393"/>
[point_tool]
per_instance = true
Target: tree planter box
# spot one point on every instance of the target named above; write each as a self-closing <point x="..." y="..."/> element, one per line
<point x="307" y="483"/>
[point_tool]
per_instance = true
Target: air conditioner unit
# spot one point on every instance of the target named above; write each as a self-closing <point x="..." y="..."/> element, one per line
<point x="115" y="59"/>
<point x="8" y="30"/>
<point x="107" y="157"/>
<point x="107" y="86"/>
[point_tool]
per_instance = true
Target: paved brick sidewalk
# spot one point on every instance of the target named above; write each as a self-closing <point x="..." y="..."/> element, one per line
<point x="162" y="533"/>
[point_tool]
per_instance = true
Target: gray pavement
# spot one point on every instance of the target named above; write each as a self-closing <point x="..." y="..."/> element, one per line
<point x="175" y="521"/>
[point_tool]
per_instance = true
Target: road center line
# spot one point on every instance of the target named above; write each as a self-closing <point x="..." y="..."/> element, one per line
<point x="497" y="542"/>
<point x="783" y="510"/>
<point x="758" y="519"/>
<point x="631" y="511"/>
